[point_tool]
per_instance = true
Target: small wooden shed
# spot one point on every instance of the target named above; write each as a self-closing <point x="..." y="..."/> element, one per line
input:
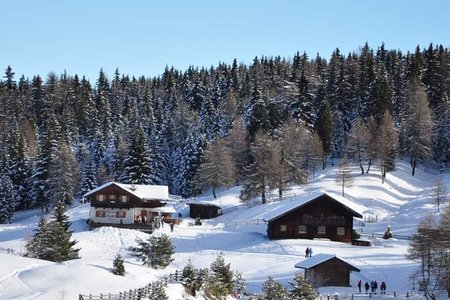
<point x="203" y="210"/>
<point x="327" y="270"/>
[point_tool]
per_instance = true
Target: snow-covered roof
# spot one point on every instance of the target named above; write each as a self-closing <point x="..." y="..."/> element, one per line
<point x="165" y="209"/>
<point x="319" y="259"/>
<point x="142" y="191"/>
<point x="304" y="199"/>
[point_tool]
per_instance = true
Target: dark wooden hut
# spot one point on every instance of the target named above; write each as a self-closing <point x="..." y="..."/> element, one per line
<point x="203" y="210"/>
<point x="327" y="270"/>
<point x="317" y="215"/>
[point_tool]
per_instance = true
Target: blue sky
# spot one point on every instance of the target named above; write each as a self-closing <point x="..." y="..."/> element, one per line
<point x="142" y="37"/>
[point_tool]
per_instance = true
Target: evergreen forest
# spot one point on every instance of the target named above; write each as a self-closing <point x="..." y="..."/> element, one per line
<point x="263" y="126"/>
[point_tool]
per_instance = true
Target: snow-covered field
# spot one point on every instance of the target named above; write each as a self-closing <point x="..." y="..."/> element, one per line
<point x="400" y="202"/>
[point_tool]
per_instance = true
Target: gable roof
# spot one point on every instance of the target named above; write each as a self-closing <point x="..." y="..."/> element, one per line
<point x="141" y="191"/>
<point x="305" y="199"/>
<point x="320" y="259"/>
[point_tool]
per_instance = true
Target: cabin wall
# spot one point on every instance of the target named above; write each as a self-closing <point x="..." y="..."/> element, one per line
<point x="330" y="273"/>
<point x="203" y="211"/>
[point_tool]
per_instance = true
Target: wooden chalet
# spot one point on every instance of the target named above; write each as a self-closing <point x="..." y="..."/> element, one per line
<point x="203" y="210"/>
<point x="327" y="270"/>
<point x="317" y="215"/>
<point x="133" y="206"/>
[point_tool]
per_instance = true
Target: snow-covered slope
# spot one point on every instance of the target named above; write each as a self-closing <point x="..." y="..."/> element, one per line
<point x="239" y="235"/>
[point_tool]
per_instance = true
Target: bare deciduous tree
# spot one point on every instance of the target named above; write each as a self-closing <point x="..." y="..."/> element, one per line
<point x="344" y="176"/>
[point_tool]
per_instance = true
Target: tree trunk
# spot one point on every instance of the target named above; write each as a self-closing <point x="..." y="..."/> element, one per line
<point x="413" y="167"/>
<point x="214" y="192"/>
<point x="368" y="166"/>
<point x="263" y="195"/>
<point x="361" y="166"/>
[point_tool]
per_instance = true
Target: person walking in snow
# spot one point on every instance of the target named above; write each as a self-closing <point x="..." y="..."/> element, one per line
<point x="310" y="252"/>
<point x="306" y="252"/>
<point x="171" y="227"/>
<point x="383" y="287"/>
<point x="375" y="286"/>
<point x="359" y="285"/>
<point x="367" y="286"/>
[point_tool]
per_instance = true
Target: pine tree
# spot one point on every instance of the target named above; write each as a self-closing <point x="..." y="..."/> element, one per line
<point x="20" y="169"/>
<point x="273" y="290"/>
<point x="301" y="289"/>
<point x="52" y="241"/>
<point x="191" y="279"/>
<point x="38" y="246"/>
<point x="118" y="267"/>
<point x="324" y="127"/>
<point x="7" y="205"/>
<point x="220" y="281"/>
<point x="157" y="292"/>
<point x="155" y="252"/>
<point x="88" y="180"/>
<point x="357" y="143"/>
<point x="137" y="165"/>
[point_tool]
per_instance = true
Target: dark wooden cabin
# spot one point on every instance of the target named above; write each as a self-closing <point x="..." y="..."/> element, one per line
<point x="327" y="270"/>
<point x="313" y="216"/>
<point x="203" y="210"/>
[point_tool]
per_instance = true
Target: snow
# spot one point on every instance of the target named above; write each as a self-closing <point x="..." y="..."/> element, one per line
<point x="239" y="235"/>
<point x="317" y="259"/>
<point x="142" y="191"/>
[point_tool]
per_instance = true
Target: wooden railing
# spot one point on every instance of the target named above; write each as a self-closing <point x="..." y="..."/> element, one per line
<point x="136" y="294"/>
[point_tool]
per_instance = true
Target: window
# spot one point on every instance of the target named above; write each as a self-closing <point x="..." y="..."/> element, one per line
<point x="301" y="228"/>
<point x="321" y="229"/>
<point x="123" y="198"/>
<point x="101" y="197"/>
<point x="100" y="213"/>
<point x="341" y="231"/>
<point x="112" y="197"/>
<point x="121" y="214"/>
<point x="283" y="227"/>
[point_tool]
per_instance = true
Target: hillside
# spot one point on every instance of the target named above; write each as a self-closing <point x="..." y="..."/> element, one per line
<point x="239" y="235"/>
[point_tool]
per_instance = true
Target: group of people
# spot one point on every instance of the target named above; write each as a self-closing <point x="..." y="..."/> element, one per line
<point x="308" y="252"/>
<point x="373" y="286"/>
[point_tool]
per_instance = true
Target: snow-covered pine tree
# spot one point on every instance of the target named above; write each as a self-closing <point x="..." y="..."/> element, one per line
<point x="118" y="267"/>
<point x="88" y="179"/>
<point x="38" y="246"/>
<point x="220" y="281"/>
<point x="157" y="291"/>
<point x="19" y="169"/>
<point x="191" y="279"/>
<point x="52" y="241"/>
<point x="7" y="202"/>
<point x="301" y="289"/>
<point x="273" y="290"/>
<point x="137" y="165"/>
<point x="47" y="148"/>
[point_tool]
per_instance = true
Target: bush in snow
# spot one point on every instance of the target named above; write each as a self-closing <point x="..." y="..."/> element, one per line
<point x="273" y="290"/>
<point x="219" y="283"/>
<point x="118" y="267"/>
<point x="155" y="252"/>
<point x="192" y="279"/>
<point x="301" y="288"/>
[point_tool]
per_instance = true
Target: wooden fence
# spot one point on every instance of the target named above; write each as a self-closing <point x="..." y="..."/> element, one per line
<point x="136" y="294"/>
